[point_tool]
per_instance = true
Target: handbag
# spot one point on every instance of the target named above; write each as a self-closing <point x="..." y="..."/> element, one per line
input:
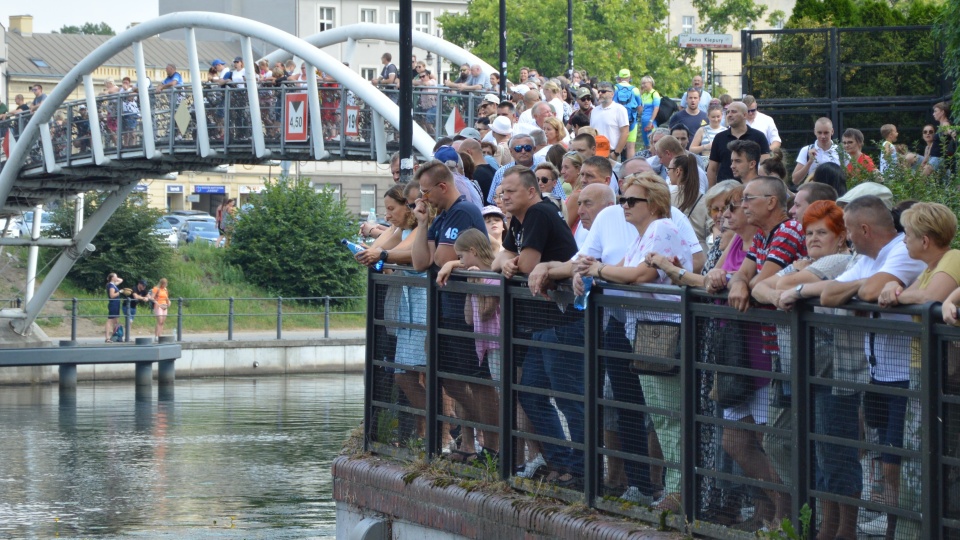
<point x="653" y="343"/>
<point x="731" y="389"/>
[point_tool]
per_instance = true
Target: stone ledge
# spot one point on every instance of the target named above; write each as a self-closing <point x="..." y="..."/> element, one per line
<point x="376" y="485"/>
<point x="262" y="344"/>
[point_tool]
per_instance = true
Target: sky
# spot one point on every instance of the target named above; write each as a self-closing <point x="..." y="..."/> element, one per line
<point x="50" y="15"/>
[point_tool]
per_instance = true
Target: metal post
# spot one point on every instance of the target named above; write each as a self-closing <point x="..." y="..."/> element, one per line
<point x="146" y="106"/>
<point x="326" y="316"/>
<point x="73" y="320"/>
<point x="406" y="92"/>
<point x="507" y="409"/>
<point x="368" y="375"/>
<point x="179" y="319"/>
<point x="432" y="385"/>
<point x="230" y="321"/>
<point x="127" y="319"/>
<point x="592" y="328"/>
<point x="33" y="253"/>
<point x="203" y="138"/>
<point x="570" y="37"/>
<point x="279" y="317"/>
<point x="503" y="51"/>
<point x="932" y="507"/>
<point x="688" y="409"/>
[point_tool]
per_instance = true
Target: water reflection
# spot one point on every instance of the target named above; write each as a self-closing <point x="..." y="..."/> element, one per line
<point x="222" y="458"/>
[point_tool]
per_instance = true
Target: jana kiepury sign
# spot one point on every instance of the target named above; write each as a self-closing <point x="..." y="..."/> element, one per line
<point x="296" y="117"/>
<point x="705" y="41"/>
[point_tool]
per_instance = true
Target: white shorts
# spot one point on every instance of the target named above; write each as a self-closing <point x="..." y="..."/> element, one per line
<point x="755" y="407"/>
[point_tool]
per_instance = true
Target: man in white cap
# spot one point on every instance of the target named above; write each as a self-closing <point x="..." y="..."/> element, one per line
<point x="500" y="131"/>
<point x="488" y="107"/>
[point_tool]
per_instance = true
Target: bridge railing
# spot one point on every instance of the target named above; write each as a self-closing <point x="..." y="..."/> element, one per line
<point x="346" y="120"/>
<point x="705" y="411"/>
<point x="227" y="317"/>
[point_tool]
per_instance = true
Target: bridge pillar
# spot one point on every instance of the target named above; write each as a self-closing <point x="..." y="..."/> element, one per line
<point x="68" y="377"/>
<point x="144" y="374"/>
<point x="165" y="373"/>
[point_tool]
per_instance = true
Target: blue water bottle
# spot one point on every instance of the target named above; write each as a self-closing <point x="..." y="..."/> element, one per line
<point x="580" y="302"/>
<point x="357" y="248"/>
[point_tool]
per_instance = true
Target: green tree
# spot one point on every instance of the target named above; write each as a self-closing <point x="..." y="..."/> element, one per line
<point x="287" y="241"/>
<point x="127" y="244"/>
<point x="719" y="17"/>
<point x="608" y="36"/>
<point x="89" y="28"/>
<point x="948" y="31"/>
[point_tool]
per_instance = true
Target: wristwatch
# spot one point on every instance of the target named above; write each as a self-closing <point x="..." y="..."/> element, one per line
<point x="680" y="274"/>
<point x="799" y="290"/>
<point x="383" y="255"/>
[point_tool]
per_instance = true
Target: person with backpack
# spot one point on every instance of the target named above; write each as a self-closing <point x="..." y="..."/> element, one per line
<point x="650" y="101"/>
<point x="628" y="95"/>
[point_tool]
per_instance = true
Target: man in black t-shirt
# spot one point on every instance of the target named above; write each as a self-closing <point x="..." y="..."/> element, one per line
<point x="538" y="234"/>
<point x="140" y="295"/>
<point x="720" y="155"/>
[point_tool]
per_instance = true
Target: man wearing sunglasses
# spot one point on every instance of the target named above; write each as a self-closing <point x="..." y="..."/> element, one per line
<point x="761" y="122"/>
<point x="610" y="119"/>
<point x="521" y="148"/>
<point x="585" y="100"/>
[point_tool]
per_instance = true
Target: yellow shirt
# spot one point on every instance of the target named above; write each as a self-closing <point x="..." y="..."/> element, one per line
<point x="949" y="264"/>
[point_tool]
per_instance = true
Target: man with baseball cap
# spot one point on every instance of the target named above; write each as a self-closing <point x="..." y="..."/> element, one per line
<point x="585" y="99"/>
<point x="489" y="106"/>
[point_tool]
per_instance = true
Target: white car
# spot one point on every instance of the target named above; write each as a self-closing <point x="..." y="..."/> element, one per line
<point x="167" y="233"/>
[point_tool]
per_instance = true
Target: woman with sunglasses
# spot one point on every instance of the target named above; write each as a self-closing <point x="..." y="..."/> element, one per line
<point x="570" y="172"/>
<point x="547" y="175"/>
<point x="646" y="206"/>
<point x="929" y="149"/>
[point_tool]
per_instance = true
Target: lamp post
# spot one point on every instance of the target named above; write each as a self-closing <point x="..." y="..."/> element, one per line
<point x="503" y="50"/>
<point x="406" y="92"/>
<point x="570" y="38"/>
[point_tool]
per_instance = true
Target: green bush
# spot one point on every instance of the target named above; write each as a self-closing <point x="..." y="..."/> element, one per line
<point x="286" y="241"/>
<point x="127" y="244"/>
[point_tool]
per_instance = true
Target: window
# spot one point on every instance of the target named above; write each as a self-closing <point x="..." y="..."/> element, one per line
<point x="368" y="15"/>
<point x="334" y="189"/>
<point x="393" y="16"/>
<point x="39" y="62"/>
<point x="326" y="18"/>
<point x="421" y="21"/>
<point x="368" y="73"/>
<point x="687" y="27"/>
<point x="368" y="198"/>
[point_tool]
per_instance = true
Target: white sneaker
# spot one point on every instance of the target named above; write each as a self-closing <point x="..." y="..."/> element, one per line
<point x="877" y="527"/>
<point x="530" y="467"/>
<point x="632" y="494"/>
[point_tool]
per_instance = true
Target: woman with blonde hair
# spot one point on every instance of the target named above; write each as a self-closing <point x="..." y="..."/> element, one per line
<point x="554" y="131"/>
<point x="570" y="172"/>
<point x="161" y="303"/>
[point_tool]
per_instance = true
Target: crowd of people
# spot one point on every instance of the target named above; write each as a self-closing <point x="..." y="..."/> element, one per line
<point x="557" y="193"/>
<point x="129" y="299"/>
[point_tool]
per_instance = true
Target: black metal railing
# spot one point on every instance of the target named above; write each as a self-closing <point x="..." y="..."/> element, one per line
<point x="837" y="440"/>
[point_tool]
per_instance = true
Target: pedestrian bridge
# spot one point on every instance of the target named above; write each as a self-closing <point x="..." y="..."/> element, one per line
<point x="109" y="143"/>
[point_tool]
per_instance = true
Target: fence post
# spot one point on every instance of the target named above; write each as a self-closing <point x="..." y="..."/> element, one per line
<point x="931" y="441"/>
<point x="126" y="317"/>
<point x="179" y="319"/>
<point x="326" y="317"/>
<point x="279" y="317"/>
<point x="73" y="320"/>
<point x="230" y="321"/>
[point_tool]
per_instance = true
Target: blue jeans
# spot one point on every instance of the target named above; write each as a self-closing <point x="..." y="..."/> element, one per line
<point x="129" y="312"/>
<point x="561" y="371"/>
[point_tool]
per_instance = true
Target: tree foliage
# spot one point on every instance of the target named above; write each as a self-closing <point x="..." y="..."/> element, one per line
<point x="948" y="31"/>
<point x="89" y="28"/>
<point x="286" y="241"/>
<point x="718" y="17"/>
<point x="608" y="36"/>
<point x="127" y="243"/>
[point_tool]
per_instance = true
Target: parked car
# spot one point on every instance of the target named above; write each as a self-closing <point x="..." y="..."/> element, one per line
<point x="167" y="233"/>
<point x="26" y="223"/>
<point x="177" y="220"/>
<point x="199" y="231"/>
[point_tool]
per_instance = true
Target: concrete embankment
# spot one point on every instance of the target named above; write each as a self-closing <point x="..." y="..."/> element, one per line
<point x="210" y="355"/>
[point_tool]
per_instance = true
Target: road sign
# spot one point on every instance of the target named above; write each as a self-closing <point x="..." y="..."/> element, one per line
<point x="295" y="119"/>
<point x="705" y="41"/>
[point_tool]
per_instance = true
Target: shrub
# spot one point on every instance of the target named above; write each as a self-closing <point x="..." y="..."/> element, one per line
<point x="127" y="243"/>
<point x="286" y="242"/>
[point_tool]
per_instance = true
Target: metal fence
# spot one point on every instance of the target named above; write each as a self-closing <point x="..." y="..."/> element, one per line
<point x="856" y="410"/>
<point x="348" y="123"/>
<point x="225" y="313"/>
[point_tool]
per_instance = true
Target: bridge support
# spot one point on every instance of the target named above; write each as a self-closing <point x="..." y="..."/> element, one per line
<point x="166" y="375"/>
<point x="68" y="377"/>
<point x="70" y="255"/>
<point x="144" y="374"/>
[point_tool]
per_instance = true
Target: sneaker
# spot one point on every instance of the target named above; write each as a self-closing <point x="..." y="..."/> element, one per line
<point x="877" y="527"/>
<point x="632" y="494"/>
<point x="530" y="468"/>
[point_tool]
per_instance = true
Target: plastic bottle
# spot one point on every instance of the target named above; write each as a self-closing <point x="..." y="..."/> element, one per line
<point x="357" y="248"/>
<point x="580" y="302"/>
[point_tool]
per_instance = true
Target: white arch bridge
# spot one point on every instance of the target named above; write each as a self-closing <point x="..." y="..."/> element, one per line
<point x="109" y="143"/>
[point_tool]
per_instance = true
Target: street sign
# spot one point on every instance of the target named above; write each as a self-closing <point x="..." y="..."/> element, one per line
<point x="705" y="41"/>
<point x="295" y="122"/>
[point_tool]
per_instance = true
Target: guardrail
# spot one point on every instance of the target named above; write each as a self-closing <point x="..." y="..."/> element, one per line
<point x="347" y="121"/>
<point x="660" y="421"/>
<point x="299" y="309"/>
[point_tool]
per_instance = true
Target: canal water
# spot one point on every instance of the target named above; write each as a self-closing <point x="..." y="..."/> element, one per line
<point x="217" y="458"/>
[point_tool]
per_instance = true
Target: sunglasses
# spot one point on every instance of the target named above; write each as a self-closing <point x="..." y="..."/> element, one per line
<point x="927" y="132"/>
<point x="751" y="111"/>
<point x="523" y="148"/>
<point x="603" y="91"/>
<point x="630" y="201"/>
<point x="731" y="207"/>
<point x="585" y="98"/>
<point x="544" y="179"/>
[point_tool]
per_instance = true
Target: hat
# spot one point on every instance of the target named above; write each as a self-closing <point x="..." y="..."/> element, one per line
<point x="491" y="210"/>
<point x="583" y="92"/>
<point x="501" y="126"/>
<point x="492" y="98"/>
<point x="624" y="73"/>
<point x="603" y="146"/>
<point x="238" y="59"/>
<point x="218" y="62"/>
<point x="470" y="133"/>
<point x="446" y="153"/>
<point x="868" y="188"/>
<point x="519" y="89"/>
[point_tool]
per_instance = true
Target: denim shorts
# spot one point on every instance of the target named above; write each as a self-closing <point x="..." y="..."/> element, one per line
<point x="886" y="413"/>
